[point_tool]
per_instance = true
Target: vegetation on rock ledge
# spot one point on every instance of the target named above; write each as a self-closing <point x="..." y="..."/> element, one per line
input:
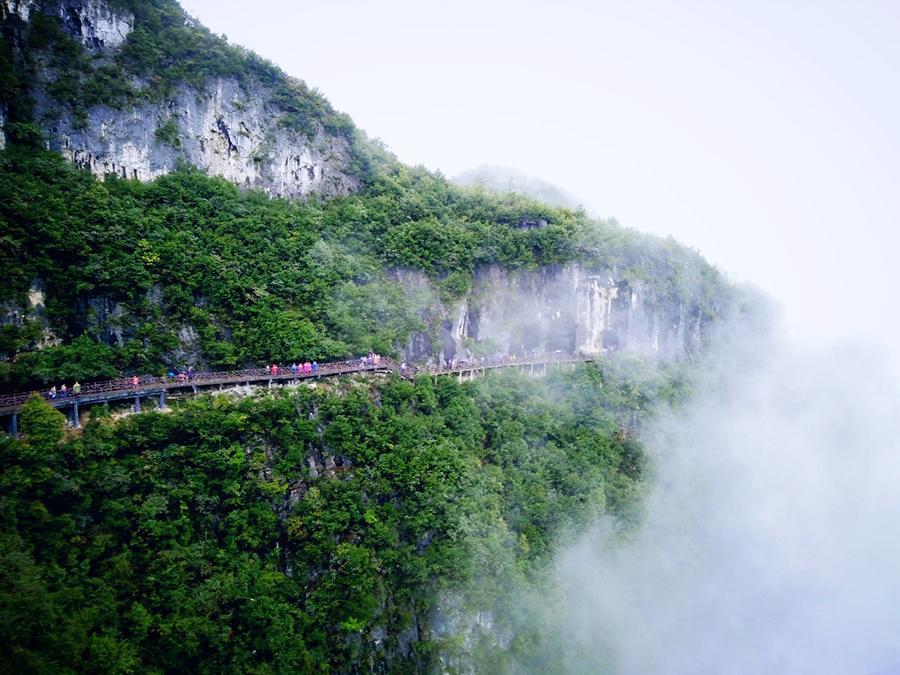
<point x="134" y="265"/>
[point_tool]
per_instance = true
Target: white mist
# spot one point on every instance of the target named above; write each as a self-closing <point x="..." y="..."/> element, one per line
<point x="771" y="538"/>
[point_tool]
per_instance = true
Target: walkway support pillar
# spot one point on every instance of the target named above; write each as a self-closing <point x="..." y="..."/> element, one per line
<point x="75" y="415"/>
<point x="14" y="425"/>
<point x="137" y="403"/>
<point x="162" y="400"/>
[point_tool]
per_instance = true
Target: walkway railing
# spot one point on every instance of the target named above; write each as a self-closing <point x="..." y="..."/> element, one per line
<point x="150" y="384"/>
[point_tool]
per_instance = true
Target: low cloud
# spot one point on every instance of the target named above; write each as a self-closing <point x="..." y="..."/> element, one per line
<point x="771" y="536"/>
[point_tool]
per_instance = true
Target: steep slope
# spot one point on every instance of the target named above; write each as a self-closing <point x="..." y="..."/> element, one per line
<point x="161" y="266"/>
<point x="344" y="528"/>
<point x="132" y="88"/>
<point x="188" y="270"/>
<point x="348" y="526"/>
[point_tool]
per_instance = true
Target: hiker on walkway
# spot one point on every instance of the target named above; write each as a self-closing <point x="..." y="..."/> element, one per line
<point x="76" y="388"/>
<point x="52" y="392"/>
<point x="64" y="391"/>
<point x="294" y="369"/>
<point x="307" y="368"/>
<point x="182" y="377"/>
<point x="268" y="369"/>
<point x="314" y="368"/>
<point x="274" y="370"/>
<point x="135" y="381"/>
<point x="190" y="373"/>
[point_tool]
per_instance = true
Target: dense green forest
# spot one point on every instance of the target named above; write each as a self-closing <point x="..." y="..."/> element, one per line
<point x="260" y="278"/>
<point x="352" y="525"/>
<point x="128" y="269"/>
<point x="202" y="541"/>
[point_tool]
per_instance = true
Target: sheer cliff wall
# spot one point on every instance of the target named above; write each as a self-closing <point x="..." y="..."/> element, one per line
<point x="570" y="308"/>
<point x="235" y="127"/>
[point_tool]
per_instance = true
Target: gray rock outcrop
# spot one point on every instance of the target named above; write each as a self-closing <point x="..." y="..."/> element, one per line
<point x="568" y="308"/>
<point x="229" y="127"/>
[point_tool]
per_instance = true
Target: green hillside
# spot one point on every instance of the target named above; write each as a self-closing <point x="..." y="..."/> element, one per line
<point x="201" y="541"/>
<point x="262" y="279"/>
<point x="357" y="525"/>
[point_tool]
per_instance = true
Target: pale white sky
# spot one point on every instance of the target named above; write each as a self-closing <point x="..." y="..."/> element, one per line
<point x="765" y="134"/>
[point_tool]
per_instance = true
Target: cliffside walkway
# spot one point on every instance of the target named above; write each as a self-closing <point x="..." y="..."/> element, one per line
<point x="158" y="388"/>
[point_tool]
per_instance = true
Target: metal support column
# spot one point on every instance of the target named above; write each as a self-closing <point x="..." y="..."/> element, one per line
<point x="14" y="425"/>
<point x="137" y="403"/>
<point x="162" y="400"/>
<point x="75" y="415"/>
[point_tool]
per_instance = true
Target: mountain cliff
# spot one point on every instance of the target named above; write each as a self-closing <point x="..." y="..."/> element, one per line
<point x="133" y="88"/>
<point x="403" y="262"/>
<point x="170" y="200"/>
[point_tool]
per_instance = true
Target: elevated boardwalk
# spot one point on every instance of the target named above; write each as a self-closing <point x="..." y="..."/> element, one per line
<point x="158" y="388"/>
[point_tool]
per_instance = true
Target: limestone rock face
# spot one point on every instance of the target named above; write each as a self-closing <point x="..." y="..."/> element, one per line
<point x="91" y="22"/>
<point x="227" y="127"/>
<point x="96" y="26"/>
<point x="20" y="8"/>
<point x="223" y="129"/>
<point x="567" y="308"/>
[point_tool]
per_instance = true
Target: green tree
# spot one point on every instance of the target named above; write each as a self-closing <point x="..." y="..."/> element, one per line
<point x="42" y="426"/>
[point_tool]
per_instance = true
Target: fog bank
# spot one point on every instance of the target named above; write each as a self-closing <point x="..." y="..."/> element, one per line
<point x="769" y="542"/>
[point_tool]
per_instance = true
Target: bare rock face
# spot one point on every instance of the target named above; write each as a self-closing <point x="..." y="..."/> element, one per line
<point x="228" y="128"/>
<point x="223" y="129"/>
<point x="20" y="8"/>
<point x="91" y="22"/>
<point x="567" y="308"/>
<point x="95" y="25"/>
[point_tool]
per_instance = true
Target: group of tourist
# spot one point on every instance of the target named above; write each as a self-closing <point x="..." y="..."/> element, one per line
<point x="182" y="377"/>
<point x="297" y="369"/>
<point x="312" y="368"/>
<point x="372" y="359"/>
<point x="186" y="376"/>
<point x="63" y="391"/>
